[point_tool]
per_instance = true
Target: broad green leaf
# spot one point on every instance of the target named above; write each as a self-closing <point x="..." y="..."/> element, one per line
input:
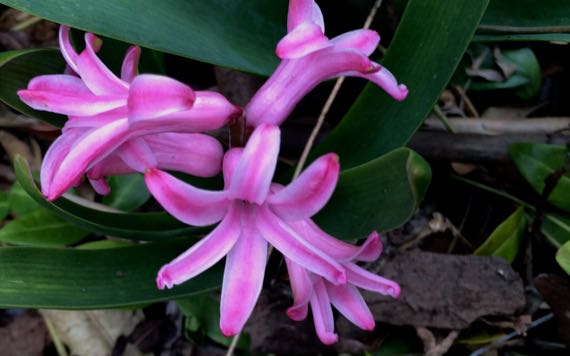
<point x="556" y="228"/>
<point x="505" y="240"/>
<point x="17" y="68"/>
<point x="4" y="206"/>
<point x="19" y="202"/>
<point x="379" y="195"/>
<point x="536" y="162"/>
<point x="202" y="314"/>
<point x="137" y="226"/>
<point x="127" y="192"/>
<point x="53" y="278"/>
<point x="41" y="229"/>
<point x="525" y="20"/>
<point x="232" y="33"/>
<point x="561" y="38"/>
<point x="424" y="53"/>
<point x="563" y="257"/>
<point x="526" y="16"/>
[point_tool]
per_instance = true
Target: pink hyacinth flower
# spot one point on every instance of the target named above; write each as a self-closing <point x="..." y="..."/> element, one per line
<point x="109" y="115"/>
<point x="309" y="57"/>
<point x="252" y="215"/>
<point x="312" y="290"/>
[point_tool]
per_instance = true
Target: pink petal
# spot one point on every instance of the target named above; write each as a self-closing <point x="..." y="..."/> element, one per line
<point x="97" y="120"/>
<point x="307" y="194"/>
<point x="301" y="11"/>
<point x="95" y="74"/>
<point x="280" y="94"/>
<point x="112" y="165"/>
<point x="152" y="96"/>
<point x="188" y="204"/>
<point x="243" y="276"/>
<point x="129" y="69"/>
<point x="231" y="160"/>
<point x="337" y="249"/>
<point x="302" y="40"/>
<point x="204" y="254"/>
<point x="66" y="48"/>
<point x="254" y="172"/>
<point x="55" y="155"/>
<point x="284" y="239"/>
<point x="322" y="314"/>
<point x="361" y="278"/>
<point x="209" y="112"/>
<point x="350" y="303"/>
<point x="137" y="154"/>
<point x="92" y="148"/>
<point x="385" y="80"/>
<point x="366" y="41"/>
<point x="195" y="154"/>
<point x="100" y="186"/>
<point x="66" y="94"/>
<point x="302" y="289"/>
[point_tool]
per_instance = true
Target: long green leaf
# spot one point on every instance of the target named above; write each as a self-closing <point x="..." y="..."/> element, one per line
<point x="92" y="279"/>
<point x="233" y="33"/>
<point x="556" y="228"/>
<point x="505" y="239"/>
<point x="537" y="162"/>
<point x="428" y="45"/>
<point x="378" y="195"/>
<point x="16" y="70"/>
<point x="563" y="257"/>
<point x="137" y="226"/>
<point x="41" y="229"/>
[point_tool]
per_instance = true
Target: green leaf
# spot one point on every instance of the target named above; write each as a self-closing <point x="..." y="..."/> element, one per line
<point x="525" y="20"/>
<point x="536" y="162"/>
<point x="424" y="53"/>
<point x="50" y="278"/>
<point x="563" y="257"/>
<point x="561" y="38"/>
<point x="17" y="68"/>
<point x="505" y="240"/>
<point x="526" y="16"/>
<point x="41" y="229"/>
<point x="103" y="244"/>
<point x="239" y="34"/>
<point x="202" y="314"/>
<point x="137" y="226"/>
<point x="379" y="195"/>
<point x="4" y="206"/>
<point x="127" y="192"/>
<point x="556" y="228"/>
<point x="20" y="202"/>
<point x="527" y="66"/>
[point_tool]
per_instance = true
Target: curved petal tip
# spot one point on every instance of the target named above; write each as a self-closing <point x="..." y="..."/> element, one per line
<point x="163" y="279"/>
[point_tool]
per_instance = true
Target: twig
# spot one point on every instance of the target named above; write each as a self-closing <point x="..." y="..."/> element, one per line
<point x="503" y="340"/>
<point x="26" y="23"/>
<point x="233" y="345"/>
<point x="313" y="136"/>
<point x="59" y="347"/>
<point x="443" y="119"/>
<point x="431" y="346"/>
<point x="496" y="126"/>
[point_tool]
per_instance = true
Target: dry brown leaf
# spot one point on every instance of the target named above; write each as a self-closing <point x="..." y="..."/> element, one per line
<point x="93" y="332"/>
<point x="14" y="146"/>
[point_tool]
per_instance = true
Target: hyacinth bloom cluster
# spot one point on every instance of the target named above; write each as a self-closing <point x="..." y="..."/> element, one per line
<point x="153" y="124"/>
<point x="307" y="53"/>
<point x="123" y="125"/>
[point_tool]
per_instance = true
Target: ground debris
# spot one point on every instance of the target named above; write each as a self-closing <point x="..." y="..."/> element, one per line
<point x="447" y="291"/>
<point x="25" y="335"/>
